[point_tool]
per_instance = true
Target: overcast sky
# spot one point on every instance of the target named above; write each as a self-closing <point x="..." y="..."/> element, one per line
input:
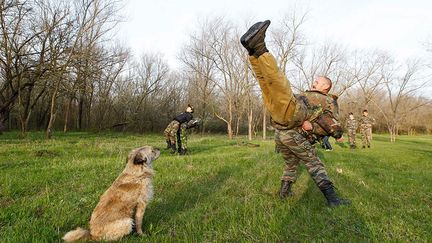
<point x="394" y="25"/>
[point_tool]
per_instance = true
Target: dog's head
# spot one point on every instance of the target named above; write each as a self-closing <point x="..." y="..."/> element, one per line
<point x="143" y="156"/>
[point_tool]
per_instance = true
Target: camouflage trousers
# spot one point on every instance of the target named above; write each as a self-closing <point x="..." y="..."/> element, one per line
<point x="171" y="131"/>
<point x="182" y="136"/>
<point x="352" y="137"/>
<point x="366" y="134"/>
<point x="296" y="149"/>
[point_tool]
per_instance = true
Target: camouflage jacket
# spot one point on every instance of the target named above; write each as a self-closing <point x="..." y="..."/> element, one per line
<point x="317" y="103"/>
<point x="329" y="106"/>
<point x="351" y="124"/>
<point x="366" y="122"/>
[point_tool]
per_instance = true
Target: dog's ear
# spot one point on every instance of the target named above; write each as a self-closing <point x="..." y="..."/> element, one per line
<point x="139" y="159"/>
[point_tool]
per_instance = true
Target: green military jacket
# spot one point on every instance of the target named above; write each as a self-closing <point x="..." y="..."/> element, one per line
<point x="366" y="122"/>
<point x="351" y="124"/>
<point x="314" y="104"/>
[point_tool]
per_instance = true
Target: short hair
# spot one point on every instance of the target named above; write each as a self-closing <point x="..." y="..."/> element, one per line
<point x="350" y="113"/>
<point x="190" y="106"/>
<point x="365" y="110"/>
<point x="329" y="82"/>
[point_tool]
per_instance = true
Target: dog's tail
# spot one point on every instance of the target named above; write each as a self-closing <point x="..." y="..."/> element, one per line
<point x="78" y="234"/>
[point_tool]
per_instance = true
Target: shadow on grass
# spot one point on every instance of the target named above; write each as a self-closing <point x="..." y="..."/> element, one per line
<point x="205" y="147"/>
<point x="342" y="145"/>
<point x="334" y="224"/>
<point x="179" y="199"/>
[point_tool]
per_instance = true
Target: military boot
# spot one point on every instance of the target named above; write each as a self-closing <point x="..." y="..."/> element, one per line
<point x="253" y="39"/>
<point x="168" y="144"/>
<point x="332" y="199"/>
<point x="183" y="151"/>
<point x="173" y="148"/>
<point x="285" y="190"/>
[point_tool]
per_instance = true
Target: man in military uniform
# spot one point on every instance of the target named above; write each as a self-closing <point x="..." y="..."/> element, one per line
<point x="366" y="123"/>
<point x="298" y="120"/>
<point x="351" y="126"/>
<point x="172" y="128"/>
<point x="182" y="135"/>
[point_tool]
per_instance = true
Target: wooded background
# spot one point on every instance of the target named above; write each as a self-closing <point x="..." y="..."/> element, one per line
<point x="61" y="69"/>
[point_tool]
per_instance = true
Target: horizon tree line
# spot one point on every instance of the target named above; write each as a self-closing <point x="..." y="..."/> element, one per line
<point x="61" y="70"/>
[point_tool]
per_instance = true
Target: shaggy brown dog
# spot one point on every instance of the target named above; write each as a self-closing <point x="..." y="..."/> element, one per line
<point x="131" y="191"/>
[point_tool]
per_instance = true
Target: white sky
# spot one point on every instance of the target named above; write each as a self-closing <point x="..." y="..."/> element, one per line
<point x="397" y="26"/>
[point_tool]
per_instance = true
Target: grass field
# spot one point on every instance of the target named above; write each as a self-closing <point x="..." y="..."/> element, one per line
<point x="222" y="191"/>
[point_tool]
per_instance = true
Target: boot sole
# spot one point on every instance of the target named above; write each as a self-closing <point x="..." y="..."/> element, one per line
<point x="252" y="32"/>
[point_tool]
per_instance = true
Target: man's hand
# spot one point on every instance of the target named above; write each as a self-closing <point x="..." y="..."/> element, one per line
<point x="340" y="140"/>
<point x="307" y="126"/>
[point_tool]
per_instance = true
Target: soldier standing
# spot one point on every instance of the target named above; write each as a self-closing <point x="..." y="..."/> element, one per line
<point x="366" y="123"/>
<point x="294" y="134"/>
<point x="172" y="128"/>
<point x="182" y="135"/>
<point x="351" y="125"/>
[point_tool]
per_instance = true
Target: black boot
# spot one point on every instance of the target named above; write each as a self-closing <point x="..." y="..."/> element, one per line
<point x="168" y="144"/>
<point x="332" y="199"/>
<point x="253" y="39"/>
<point x="285" y="190"/>
<point x="173" y="148"/>
<point x="183" y="151"/>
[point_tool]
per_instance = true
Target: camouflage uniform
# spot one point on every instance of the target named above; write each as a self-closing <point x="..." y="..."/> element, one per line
<point x="172" y="128"/>
<point x="366" y="123"/>
<point x="171" y="131"/>
<point x="351" y="125"/>
<point x="182" y="135"/>
<point x="288" y="112"/>
<point x="295" y="148"/>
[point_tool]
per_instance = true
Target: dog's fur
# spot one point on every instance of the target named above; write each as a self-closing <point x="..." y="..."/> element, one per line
<point x="130" y="192"/>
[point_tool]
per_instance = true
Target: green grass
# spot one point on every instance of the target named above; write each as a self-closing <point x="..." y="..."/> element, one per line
<point x="222" y="191"/>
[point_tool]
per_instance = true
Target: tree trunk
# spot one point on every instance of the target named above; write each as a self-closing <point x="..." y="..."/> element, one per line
<point x="24" y="125"/>
<point x="80" y="112"/>
<point x="68" y="107"/>
<point x="2" y="126"/>
<point x="250" y="125"/>
<point x="52" y="112"/>
<point x="89" y="108"/>
<point x="230" y="131"/>
<point x="238" y="126"/>
<point x="392" y="131"/>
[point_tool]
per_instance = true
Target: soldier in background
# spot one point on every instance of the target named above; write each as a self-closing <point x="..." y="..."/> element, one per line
<point x="366" y="123"/>
<point x="351" y="126"/>
<point x="298" y="120"/>
<point x="172" y="128"/>
<point x="182" y="135"/>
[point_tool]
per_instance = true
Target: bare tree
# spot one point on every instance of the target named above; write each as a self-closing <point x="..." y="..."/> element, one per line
<point x="401" y="87"/>
<point x="199" y="70"/>
<point x="227" y="75"/>
<point x="18" y="77"/>
<point x="288" y="39"/>
<point x="367" y="71"/>
<point x="112" y="65"/>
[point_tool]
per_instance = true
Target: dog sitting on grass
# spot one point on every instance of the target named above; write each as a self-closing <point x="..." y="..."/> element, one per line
<point x="130" y="193"/>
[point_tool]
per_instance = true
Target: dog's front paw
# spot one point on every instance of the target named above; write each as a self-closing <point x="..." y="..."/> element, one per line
<point x="140" y="232"/>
